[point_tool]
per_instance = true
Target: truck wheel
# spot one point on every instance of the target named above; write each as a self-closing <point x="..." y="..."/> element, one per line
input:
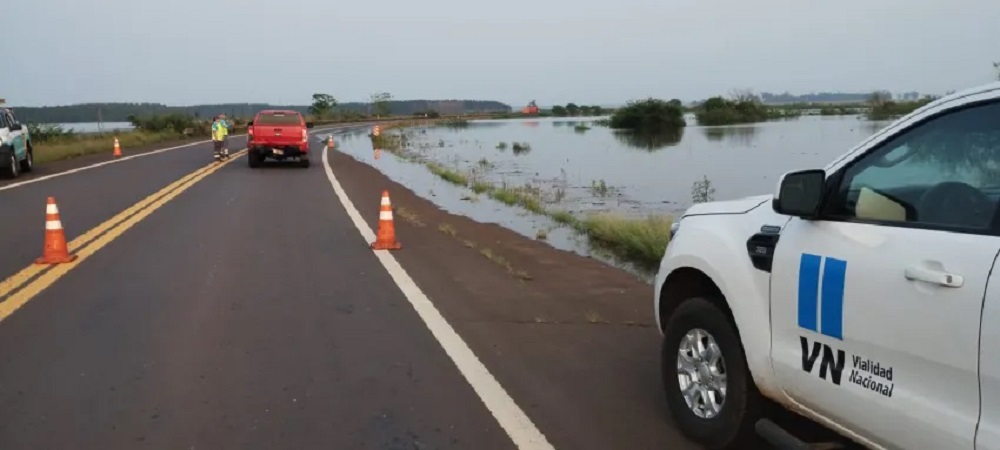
<point x="13" y="167"/>
<point x="29" y="161"/>
<point x="304" y="163"/>
<point x="253" y="159"/>
<point x="709" y="390"/>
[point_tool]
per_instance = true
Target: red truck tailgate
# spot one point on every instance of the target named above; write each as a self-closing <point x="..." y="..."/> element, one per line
<point x="278" y="129"/>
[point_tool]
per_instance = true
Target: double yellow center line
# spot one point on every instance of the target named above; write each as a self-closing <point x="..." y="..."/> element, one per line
<point x="33" y="279"/>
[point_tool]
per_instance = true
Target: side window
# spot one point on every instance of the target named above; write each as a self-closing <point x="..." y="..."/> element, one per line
<point x="3" y="120"/>
<point x="942" y="173"/>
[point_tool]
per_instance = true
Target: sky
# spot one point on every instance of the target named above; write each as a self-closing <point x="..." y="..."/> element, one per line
<point x="183" y="52"/>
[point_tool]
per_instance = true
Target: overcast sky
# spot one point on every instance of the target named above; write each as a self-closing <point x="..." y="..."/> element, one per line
<point x="182" y="52"/>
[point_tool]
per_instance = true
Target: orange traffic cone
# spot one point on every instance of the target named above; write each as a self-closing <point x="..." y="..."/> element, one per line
<point x="329" y="142"/>
<point x="378" y="153"/>
<point x="56" y="251"/>
<point x="386" y="237"/>
<point x="118" y="149"/>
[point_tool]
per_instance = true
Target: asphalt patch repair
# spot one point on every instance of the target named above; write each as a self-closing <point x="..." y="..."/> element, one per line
<point x="571" y="339"/>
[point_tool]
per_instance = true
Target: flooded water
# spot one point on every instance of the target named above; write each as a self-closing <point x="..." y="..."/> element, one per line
<point x="94" y="127"/>
<point x="598" y="169"/>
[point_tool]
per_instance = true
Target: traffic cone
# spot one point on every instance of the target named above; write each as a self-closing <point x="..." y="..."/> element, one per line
<point x="118" y="149"/>
<point x="56" y="251"/>
<point x="329" y="142"/>
<point x="386" y="237"/>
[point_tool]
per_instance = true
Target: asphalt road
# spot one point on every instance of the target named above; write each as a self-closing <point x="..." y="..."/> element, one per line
<point x="189" y="331"/>
<point x="243" y="310"/>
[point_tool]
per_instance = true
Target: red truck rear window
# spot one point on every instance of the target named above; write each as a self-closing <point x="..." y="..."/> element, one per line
<point x="279" y="119"/>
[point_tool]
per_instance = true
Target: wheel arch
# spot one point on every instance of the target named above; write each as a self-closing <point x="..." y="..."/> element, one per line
<point x="690" y="281"/>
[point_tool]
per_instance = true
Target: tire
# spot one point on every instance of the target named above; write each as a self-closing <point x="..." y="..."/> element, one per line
<point x="732" y="426"/>
<point x="13" y="168"/>
<point x="305" y="163"/>
<point x="29" y="161"/>
<point x="254" y="159"/>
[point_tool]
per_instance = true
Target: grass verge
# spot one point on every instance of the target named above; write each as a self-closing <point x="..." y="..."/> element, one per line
<point x="62" y="149"/>
<point x="639" y="240"/>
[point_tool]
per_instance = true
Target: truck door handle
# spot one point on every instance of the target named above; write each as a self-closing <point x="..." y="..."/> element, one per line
<point x="918" y="273"/>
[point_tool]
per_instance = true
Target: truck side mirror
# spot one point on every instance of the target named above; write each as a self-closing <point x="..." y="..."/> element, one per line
<point x="800" y="193"/>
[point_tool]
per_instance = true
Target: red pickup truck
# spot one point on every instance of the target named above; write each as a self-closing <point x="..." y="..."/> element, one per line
<point x="278" y="134"/>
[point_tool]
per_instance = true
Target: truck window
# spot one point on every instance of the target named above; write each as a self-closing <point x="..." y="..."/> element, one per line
<point x="279" y="119"/>
<point x="942" y="173"/>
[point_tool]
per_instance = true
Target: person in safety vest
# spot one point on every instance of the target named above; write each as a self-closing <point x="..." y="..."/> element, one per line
<point x="220" y="136"/>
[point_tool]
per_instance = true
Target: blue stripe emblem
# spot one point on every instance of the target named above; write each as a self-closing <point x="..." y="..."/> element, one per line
<point x="821" y="306"/>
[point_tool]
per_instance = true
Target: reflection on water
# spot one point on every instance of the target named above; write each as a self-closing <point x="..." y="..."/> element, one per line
<point x="649" y="141"/>
<point x="738" y="160"/>
<point x="739" y="135"/>
<point x="874" y="126"/>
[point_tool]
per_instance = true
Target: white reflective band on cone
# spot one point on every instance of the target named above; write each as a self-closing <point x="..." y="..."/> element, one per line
<point x="53" y="225"/>
<point x="385" y="201"/>
<point x="385" y="215"/>
<point x="51" y="209"/>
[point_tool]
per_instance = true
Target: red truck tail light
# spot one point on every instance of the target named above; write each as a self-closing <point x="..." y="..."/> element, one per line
<point x="305" y="135"/>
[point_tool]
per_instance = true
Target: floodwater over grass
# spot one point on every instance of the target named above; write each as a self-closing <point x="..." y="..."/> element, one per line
<point x="531" y="175"/>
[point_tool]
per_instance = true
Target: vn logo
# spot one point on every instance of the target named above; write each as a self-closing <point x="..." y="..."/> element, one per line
<point x="821" y="310"/>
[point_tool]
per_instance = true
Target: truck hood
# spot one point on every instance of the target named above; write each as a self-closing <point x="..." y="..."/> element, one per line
<point x="740" y="206"/>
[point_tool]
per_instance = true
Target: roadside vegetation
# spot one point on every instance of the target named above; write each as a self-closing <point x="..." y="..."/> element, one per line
<point x="90" y="144"/>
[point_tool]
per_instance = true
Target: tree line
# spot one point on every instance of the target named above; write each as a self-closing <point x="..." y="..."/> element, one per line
<point x="121" y="112"/>
<point x="573" y="110"/>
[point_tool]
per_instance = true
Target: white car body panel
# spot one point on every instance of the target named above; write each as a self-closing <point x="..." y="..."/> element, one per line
<point x="988" y="437"/>
<point x="712" y="237"/>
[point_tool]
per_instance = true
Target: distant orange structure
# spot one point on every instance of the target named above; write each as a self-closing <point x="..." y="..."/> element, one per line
<point x="532" y="108"/>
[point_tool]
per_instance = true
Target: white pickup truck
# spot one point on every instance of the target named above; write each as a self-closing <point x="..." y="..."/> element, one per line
<point x="861" y="296"/>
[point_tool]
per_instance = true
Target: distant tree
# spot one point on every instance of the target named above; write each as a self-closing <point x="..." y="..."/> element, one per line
<point x="380" y="101"/>
<point x="559" y="111"/>
<point x="744" y="95"/>
<point x="596" y="110"/>
<point x="572" y="109"/>
<point x="584" y="110"/>
<point x="676" y="103"/>
<point x="650" y="115"/>
<point x="715" y="103"/>
<point x="879" y="98"/>
<point x="322" y="105"/>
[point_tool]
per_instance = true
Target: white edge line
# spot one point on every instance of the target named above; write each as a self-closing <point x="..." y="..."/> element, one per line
<point x="511" y="418"/>
<point x="123" y="159"/>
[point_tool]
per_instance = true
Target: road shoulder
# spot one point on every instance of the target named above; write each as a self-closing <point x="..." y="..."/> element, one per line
<point x="571" y="339"/>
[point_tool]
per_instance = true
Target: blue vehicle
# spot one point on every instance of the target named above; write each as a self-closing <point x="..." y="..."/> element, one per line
<point x="16" y="153"/>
